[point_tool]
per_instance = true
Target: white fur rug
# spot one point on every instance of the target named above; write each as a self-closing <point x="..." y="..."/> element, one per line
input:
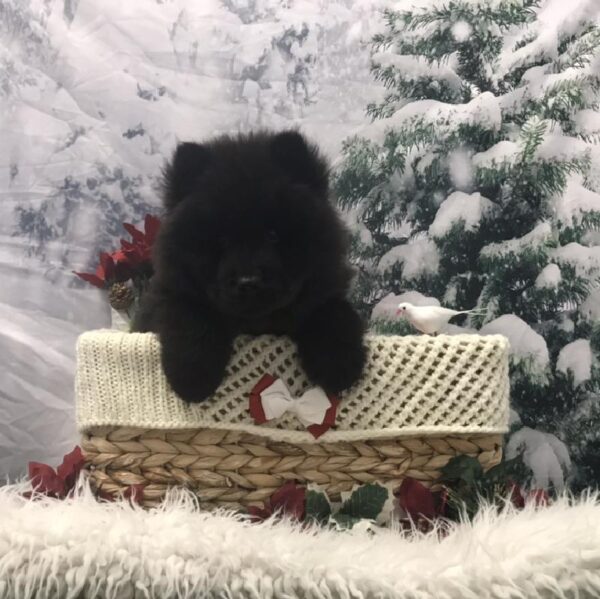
<point x="79" y="548"/>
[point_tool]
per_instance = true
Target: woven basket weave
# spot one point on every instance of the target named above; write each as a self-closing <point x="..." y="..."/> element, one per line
<point x="421" y="401"/>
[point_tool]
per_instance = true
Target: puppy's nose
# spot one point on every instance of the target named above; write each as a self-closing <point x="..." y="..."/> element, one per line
<point x="248" y="284"/>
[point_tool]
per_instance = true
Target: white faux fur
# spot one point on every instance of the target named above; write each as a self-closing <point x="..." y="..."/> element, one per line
<point x="81" y="548"/>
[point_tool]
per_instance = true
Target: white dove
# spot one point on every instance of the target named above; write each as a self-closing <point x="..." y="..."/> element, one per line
<point x="429" y="319"/>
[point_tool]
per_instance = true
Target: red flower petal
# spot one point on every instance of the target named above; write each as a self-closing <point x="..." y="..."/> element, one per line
<point x="137" y="235"/>
<point x="104" y="495"/>
<point x="442" y="502"/>
<point x="151" y="226"/>
<point x="135" y="493"/>
<point x="516" y="496"/>
<point x="123" y="272"/>
<point x="147" y="253"/>
<point x="70" y="468"/>
<point x="255" y="403"/>
<point x="258" y="514"/>
<point x="416" y="499"/>
<point x="45" y="480"/>
<point x="127" y="245"/>
<point x="93" y="279"/>
<point x="107" y="265"/>
<point x="133" y="257"/>
<point x="316" y="430"/>
<point x="136" y="253"/>
<point x="37" y="469"/>
<point x="118" y="256"/>
<point x="538" y="497"/>
<point x="290" y="500"/>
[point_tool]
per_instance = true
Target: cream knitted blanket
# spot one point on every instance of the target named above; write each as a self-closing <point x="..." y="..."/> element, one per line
<point x="413" y="385"/>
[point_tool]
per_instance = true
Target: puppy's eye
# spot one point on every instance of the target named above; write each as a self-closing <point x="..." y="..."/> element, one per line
<point x="272" y="236"/>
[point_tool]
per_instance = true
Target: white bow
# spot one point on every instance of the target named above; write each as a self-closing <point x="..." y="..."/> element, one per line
<point x="309" y="408"/>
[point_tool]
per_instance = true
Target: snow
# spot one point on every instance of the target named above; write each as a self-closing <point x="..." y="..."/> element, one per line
<point x="540" y="234"/>
<point x="549" y="277"/>
<point x="526" y="346"/>
<point x="469" y="209"/>
<point x="566" y="324"/>
<point x="425" y="161"/>
<point x="540" y="82"/>
<point x="387" y="307"/>
<point x="587" y="121"/>
<point x="513" y="417"/>
<point x="461" y="31"/>
<point x="561" y="147"/>
<point x="483" y="111"/>
<point x="556" y="21"/>
<point x="576" y="357"/>
<point x="512" y="101"/>
<point x="555" y="146"/>
<point x="418" y="257"/>
<point x="591" y="238"/>
<point x="575" y="201"/>
<point x="586" y="260"/>
<point x="503" y="151"/>
<point x="591" y="306"/>
<point x="354" y="220"/>
<point x="454" y="329"/>
<point x="413" y="67"/>
<point x="461" y="170"/>
<point x="450" y="293"/>
<point x="546" y="456"/>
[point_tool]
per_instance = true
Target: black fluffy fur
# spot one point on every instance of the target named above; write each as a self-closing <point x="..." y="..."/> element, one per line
<point x="251" y="244"/>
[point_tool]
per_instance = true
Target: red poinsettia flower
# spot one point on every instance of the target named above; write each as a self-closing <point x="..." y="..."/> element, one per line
<point x="139" y="250"/>
<point x="289" y="500"/>
<point x="538" y="497"/>
<point x="44" y="479"/>
<point x="113" y="268"/>
<point x="423" y="507"/>
<point x="418" y="501"/>
<point x="135" y="493"/>
<point x="120" y="265"/>
<point x="515" y="495"/>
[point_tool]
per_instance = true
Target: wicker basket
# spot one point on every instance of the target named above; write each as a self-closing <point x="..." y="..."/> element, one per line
<point x="421" y="401"/>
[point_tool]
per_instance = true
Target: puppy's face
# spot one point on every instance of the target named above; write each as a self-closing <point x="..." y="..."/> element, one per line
<point x="250" y="245"/>
<point x="246" y="227"/>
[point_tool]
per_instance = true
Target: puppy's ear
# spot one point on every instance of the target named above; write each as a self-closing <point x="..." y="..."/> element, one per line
<point x="300" y="160"/>
<point x="188" y="163"/>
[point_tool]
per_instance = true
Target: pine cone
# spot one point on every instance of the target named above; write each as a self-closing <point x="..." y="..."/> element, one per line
<point x="120" y="296"/>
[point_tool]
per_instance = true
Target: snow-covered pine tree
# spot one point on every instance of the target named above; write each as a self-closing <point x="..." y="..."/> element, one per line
<point x="477" y="184"/>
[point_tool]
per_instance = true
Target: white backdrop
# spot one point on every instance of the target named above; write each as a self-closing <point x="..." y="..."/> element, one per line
<point x="93" y="96"/>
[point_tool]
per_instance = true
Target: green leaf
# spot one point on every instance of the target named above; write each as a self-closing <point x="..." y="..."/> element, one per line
<point x="513" y="470"/>
<point x="462" y="468"/>
<point x="366" y="502"/>
<point x="317" y="507"/>
<point x="345" y="521"/>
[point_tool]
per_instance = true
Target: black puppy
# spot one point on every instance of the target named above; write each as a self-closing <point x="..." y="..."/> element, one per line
<point x="250" y="244"/>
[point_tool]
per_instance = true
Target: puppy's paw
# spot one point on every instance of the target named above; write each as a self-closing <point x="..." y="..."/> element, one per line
<point x="195" y="363"/>
<point x="193" y="383"/>
<point x="333" y="367"/>
<point x="195" y="351"/>
<point x="331" y="348"/>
